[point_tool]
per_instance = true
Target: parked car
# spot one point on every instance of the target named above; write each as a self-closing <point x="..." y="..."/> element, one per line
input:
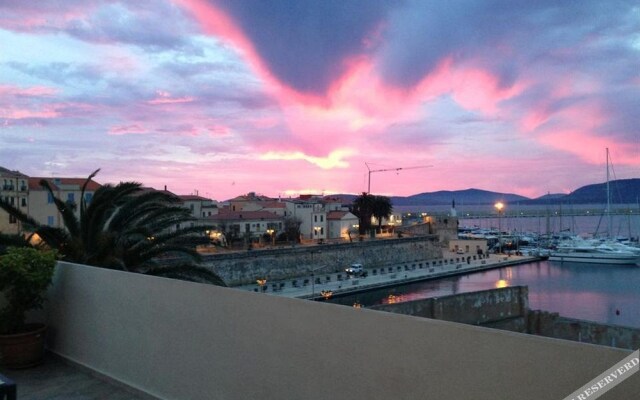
<point x="354" y="269"/>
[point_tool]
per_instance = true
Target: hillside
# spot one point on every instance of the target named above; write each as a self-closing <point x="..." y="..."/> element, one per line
<point x="623" y="191"/>
<point x="467" y="196"/>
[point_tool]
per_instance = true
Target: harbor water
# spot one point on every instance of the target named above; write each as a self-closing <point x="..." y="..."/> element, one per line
<point x="601" y="293"/>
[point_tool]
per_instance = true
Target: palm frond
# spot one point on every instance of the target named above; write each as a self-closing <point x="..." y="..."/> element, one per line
<point x="66" y="209"/>
<point x="28" y="222"/>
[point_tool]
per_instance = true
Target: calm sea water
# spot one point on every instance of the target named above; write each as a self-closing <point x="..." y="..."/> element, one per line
<point x="590" y="292"/>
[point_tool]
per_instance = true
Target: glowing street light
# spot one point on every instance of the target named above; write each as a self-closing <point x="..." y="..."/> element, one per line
<point x="273" y="239"/>
<point x="261" y="283"/>
<point x="499" y="206"/>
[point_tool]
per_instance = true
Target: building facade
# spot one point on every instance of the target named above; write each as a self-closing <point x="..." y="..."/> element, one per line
<point x="14" y="189"/>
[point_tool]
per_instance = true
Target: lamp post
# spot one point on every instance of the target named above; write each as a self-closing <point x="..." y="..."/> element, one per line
<point x="270" y="232"/>
<point x="261" y="283"/>
<point x="499" y="206"/>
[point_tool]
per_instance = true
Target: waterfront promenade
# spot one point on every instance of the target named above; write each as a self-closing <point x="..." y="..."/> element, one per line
<point x="312" y="286"/>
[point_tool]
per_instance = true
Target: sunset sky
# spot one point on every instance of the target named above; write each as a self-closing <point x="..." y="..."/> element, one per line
<point x="283" y="97"/>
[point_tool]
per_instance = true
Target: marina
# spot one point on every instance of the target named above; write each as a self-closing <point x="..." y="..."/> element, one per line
<point x="606" y="294"/>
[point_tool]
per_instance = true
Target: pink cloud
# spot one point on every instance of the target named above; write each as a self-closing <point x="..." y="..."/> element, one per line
<point x="134" y="129"/>
<point x="218" y="130"/>
<point x="163" y="97"/>
<point x="34" y="91"/>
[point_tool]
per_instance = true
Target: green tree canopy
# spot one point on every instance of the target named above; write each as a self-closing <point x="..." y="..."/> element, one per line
<point x="382" y="208"/>
<point x="363" y="209"/>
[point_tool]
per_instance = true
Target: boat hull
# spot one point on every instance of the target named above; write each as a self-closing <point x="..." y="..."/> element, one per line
<point x="594" y="259"/>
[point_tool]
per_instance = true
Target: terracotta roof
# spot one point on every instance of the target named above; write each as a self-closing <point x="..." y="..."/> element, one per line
<point x="57" y="183"/>
<point x="336" y="214"/>
<point x="244" y="216"/>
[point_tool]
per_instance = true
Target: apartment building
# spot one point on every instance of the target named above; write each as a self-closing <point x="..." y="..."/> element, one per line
<point x="41" y="205"/>
<point x="14" y="189"/>
<point x="238" y="224"/>
<point x="200" y="207"/>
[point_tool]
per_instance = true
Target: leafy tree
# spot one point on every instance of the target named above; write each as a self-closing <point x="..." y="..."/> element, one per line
<point x="125" y="228"/>
<point x="292" y="229"/>
<point x="381" y="209"/>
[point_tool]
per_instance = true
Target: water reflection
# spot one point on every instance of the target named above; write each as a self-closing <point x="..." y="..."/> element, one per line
<point x="608" y="294"/>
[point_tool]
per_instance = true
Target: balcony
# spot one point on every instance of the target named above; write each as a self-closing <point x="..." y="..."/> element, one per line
<point x="179" y="340"/>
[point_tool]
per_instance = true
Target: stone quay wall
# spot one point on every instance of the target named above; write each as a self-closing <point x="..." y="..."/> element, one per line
<point x="285" y="263"/>
<point x="475" y="308"/>
<point x="544" y="323"/>
<point x="507" y="309"/>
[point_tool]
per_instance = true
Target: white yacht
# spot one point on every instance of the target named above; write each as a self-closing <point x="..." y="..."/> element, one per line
<point x="584" y="252"/>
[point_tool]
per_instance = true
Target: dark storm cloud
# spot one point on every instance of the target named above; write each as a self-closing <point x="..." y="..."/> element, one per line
<point x="623" y="108"/>
<point x="505" y="36"/>
<point x="304" y="43"/>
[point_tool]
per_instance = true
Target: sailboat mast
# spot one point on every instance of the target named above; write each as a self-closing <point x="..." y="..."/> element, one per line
<point x="608" y="197"/>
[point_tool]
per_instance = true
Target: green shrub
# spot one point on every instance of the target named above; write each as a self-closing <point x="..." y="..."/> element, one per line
<point x="25" y="275"/>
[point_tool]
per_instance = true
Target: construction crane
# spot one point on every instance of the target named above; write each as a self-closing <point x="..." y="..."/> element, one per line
<point x="371" y="171"/>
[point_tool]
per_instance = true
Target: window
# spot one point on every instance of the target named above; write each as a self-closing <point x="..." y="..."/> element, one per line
<point x="322" y="230"/>
<point x="322" y="218"/>
<point x="191" y="207"/>
<point x="12" y="200"/>
<point x="315" y="218"/>
<point x="24" y="202"/>
<point x="49" y="198"/>
<point x="50" y="220"/>
<point x="12" y="219"/>
<point x="88" y="197"/>
<point x="71" y="197"/>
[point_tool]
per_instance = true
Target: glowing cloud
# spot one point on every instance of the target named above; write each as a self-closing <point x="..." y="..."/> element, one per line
<point x="333" y="160"/>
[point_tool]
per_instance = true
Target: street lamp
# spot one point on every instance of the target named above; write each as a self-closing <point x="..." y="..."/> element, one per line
<point x="270" y="232"/>
<point x="261" y="283"/>
<point x="499" y="206"/>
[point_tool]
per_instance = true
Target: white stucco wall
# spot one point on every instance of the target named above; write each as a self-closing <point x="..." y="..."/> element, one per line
<point x="181" y="340"/>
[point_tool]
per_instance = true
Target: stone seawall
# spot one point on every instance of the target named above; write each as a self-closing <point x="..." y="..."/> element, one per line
<point x="507" y="309"/>
<point x="476" y="308"/>
<point x="285" y="263"/>
<point x="548" y="324"/>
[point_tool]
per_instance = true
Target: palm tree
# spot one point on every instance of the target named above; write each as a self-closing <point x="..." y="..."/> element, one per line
<point x="382" y="208"/>
<point x="363" y="209"/>
<point x="125" y="228"/>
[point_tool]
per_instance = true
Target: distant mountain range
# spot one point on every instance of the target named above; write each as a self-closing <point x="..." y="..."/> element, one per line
<point x="623" y="191"/>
